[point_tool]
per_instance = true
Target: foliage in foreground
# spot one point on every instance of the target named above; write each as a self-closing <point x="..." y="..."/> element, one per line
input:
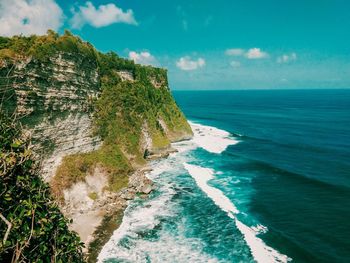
<point x="38" y="231"/>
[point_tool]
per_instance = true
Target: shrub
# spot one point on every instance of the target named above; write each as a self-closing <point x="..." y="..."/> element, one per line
<point x="32" y="228"/>
<point x="44" y="47"/>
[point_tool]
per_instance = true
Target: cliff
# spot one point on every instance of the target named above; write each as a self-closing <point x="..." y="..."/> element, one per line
<point x="94" y="119"/>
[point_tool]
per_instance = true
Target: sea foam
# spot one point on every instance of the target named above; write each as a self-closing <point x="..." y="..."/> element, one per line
<point x="127" y="243"/>
<point x="137" y="219"/>
<point x="210" y="138"/>
<point x="260" y="251"/>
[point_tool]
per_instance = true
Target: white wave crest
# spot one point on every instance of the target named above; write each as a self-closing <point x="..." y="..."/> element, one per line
<point x="137" y="220"/>
<point x="260" y="251"/>
<point x="210" y="138"/>
<point x="168" y="248"/>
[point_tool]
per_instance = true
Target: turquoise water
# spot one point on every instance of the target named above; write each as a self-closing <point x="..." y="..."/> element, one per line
<point x="274" y="188"/>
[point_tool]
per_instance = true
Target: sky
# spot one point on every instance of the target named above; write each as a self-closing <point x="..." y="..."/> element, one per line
<point x="206" y="44"/>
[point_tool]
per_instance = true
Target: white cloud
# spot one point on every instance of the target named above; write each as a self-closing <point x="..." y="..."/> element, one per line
<point x="285" y="58"/>
<point x="144" y="58"/>
<point x="253" y="53"/>
<point x="234" y="52"/>
<point x="235" y="64"/>
<point x="29" y="17"/>
<point x="186" y="63"/>
<point x="101" y="16"/>
<point x="256" y="53"/>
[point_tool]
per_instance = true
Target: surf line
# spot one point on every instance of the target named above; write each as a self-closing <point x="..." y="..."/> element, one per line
<point x="210" y="138"/>
<point x="260" y="251"/>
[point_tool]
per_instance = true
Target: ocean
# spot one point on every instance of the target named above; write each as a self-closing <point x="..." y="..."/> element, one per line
<point x="266" y="178"/>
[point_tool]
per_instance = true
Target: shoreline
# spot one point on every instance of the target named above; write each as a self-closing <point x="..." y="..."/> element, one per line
<point x="215" y="141"/>
<point x="139" y="185"/>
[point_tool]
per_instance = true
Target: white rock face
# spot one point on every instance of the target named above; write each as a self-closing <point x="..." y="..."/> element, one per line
<point x="87" y="213"/>
<point x="77" y="197"/>
<point x="157" y="84"/>
<point x="146" y="140"/>
<point x="68" y="136"/>
<point x="163" y="125"/>
<point x="55" y="96"/>
<point x="126" y="75"/>
<point x="65" y="82"/>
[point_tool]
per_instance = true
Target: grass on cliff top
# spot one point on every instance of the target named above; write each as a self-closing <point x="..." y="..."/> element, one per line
<point x="44" y="47"/>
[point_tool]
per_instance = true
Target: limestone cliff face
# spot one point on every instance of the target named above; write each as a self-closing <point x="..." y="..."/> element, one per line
<point x="64" y="83"/>
<point x="53" y="98"/>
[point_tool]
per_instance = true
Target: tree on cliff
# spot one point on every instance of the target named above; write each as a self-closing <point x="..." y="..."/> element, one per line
<point x="32" y="228"/>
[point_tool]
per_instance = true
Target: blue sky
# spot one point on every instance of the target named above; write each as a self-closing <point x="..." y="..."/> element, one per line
<point x="222" y="44"/>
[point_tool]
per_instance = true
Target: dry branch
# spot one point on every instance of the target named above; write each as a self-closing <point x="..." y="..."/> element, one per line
<point x="9" y="225"/>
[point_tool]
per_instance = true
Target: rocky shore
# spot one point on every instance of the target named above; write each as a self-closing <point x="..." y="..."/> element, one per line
<point x="111" y="208"/>
<point x="95" y="216"/>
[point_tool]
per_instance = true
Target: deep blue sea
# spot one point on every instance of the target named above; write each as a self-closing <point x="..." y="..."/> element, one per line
<point x="266" y="178"/>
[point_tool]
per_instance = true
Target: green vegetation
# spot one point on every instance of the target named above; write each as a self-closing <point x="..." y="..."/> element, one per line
<point x="124" y="107"/>
<point x="32" y="228"/>
<point x="44" y="47"/>
<point x="93" y="196"/>
<point x="111" y="60"/>
<point x="75" y="167"/>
